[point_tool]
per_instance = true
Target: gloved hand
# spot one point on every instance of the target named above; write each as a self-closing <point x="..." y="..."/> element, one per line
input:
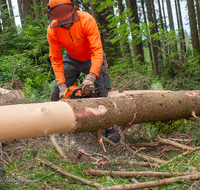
<point x="89" y="80"/>
<point x="62" y="88"/>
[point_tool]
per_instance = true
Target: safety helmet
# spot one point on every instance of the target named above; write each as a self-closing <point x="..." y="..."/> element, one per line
<point x="62" y="12"/>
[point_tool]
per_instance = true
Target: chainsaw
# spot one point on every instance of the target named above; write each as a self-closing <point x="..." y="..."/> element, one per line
<point x="76" y="92"/>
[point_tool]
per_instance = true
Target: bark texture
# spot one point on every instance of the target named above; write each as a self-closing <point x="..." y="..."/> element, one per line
<point x="92" y="114"/>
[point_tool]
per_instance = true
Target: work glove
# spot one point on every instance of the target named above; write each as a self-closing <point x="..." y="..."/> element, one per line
<point x="89" y="80"/>
<point x="62" y="88"/>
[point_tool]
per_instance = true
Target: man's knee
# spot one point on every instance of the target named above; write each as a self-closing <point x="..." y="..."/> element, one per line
<point x="55" y="94"/>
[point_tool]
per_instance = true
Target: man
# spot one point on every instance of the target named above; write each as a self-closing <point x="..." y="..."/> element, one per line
<point x="77" y="32"/>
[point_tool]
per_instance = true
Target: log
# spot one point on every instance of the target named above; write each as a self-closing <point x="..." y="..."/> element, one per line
<point x="92" y="114"/>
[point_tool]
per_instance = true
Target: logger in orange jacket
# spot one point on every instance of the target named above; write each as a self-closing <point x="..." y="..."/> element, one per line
<point x="77" y="32"/>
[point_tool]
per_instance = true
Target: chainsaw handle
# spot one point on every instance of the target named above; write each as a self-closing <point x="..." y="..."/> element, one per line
<point x="73" y="95"/>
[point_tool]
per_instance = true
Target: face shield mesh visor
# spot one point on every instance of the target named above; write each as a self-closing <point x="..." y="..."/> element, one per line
<point x="63" y="14"/>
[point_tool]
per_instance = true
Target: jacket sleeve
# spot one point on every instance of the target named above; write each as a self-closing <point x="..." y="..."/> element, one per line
<point x="56" y="57"/>
<point x="94" y="39"/>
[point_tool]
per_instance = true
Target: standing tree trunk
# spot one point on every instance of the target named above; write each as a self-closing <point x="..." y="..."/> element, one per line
<point x="169" y="9"/>
<point x="163" y="8"/>
<point x="137" y="48"/>
<point x="198" y="15"/>
<point x="180" y="25"/>
<point x="160" y="15"/>
<point x="171" y="23"/>
<point x="25" y="8"/>
<point x="149" y="45"/>
<point x="126" y="47"/>
<point x="110" y="49"/>
<point x="193" y="27"/>
<point x="155" y="50"/>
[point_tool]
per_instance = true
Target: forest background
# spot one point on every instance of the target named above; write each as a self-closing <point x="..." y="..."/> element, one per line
<point x="144" y="51"/>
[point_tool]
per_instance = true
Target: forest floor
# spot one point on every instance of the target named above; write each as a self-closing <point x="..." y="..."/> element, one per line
<point x="140" y="160"/>
<point x="25" y="171"/>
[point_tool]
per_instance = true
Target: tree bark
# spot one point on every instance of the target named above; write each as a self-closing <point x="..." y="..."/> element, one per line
<point x="193" y="27"/>
<point x="92" y="114"/>
<point x="137" y="48"/>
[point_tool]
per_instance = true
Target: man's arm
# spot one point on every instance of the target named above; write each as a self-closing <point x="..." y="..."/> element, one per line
<point x="56" y="58"/>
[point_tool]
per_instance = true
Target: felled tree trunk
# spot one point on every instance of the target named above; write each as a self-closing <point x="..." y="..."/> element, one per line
<point x="92" y="114"/>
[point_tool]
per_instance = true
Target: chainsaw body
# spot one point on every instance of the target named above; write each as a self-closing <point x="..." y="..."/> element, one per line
<point x="75" y="92"/>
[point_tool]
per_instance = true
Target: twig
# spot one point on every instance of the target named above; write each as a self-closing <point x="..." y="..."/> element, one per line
<point x="58" y="149"/>
<point x="174" y="144"/>
<point x="100" y="139"/>
<point x="109" y="141"/>
<point x="84" y="181"/>
<point x="180" y="140"/>
<point x="135" y="174"/>
<point x="136" y="152"/>
<point x="149" y="184"/>
<point x="13" y="150"/>
<point x="184" y="154"/>
<point x="142" y="156"/>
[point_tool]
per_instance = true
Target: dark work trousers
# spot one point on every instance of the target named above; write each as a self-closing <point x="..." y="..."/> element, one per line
<point x="72" y="70"/>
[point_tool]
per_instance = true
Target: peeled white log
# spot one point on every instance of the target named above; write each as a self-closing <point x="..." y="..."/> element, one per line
<point x="92" y="114"/>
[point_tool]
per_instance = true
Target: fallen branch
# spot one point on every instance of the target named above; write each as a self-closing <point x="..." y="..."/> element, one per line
<point x="135" y="174"/>
<point x="143" y="156"/>
<point x="132" y="163"/>
<point x="153" y="144"/>
<point x="82" y="180"/>
<point x="58" y="149"/>
<point x="149" y="184"/>
<point x="174" y="144"/>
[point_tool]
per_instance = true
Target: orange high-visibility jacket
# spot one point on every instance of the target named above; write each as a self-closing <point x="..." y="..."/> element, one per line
<point x="82" y="42"/>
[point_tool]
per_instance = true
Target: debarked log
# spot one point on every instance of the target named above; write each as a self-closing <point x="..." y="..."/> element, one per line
<point x="87" y="115"/>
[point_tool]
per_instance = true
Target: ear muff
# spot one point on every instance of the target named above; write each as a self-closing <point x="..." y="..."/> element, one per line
<point x="47" y="11"/>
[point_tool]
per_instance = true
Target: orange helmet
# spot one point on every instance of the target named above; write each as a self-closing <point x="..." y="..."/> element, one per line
<point x="62" y="12"/>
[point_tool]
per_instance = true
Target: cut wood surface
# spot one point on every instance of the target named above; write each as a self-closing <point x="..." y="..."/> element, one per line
<point x="92" y="114"/>
<point x="8" y="95"/>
